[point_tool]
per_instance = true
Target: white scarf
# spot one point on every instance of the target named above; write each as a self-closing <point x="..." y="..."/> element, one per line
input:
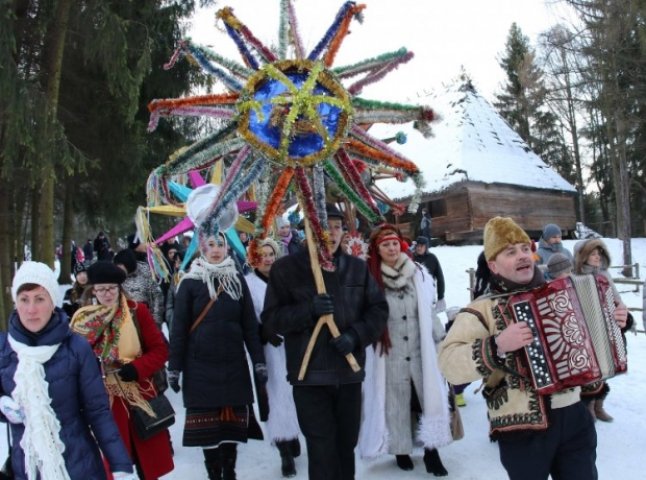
<point x="225" y="272"/>
<point x="400" y="274"/>
<point x="40" y="441"/>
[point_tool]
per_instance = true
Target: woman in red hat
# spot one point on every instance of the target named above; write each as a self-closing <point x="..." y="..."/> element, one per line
<point x="405" y="371"/>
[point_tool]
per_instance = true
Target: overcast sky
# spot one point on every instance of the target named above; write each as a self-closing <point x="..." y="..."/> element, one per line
<point x="444" y="35"/>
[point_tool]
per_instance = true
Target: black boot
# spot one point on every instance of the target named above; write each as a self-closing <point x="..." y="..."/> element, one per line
<point x="228" y="456"/>
<point x="287" y="466"/>
<point x="404" y="462"/>
<point x="433" y="463"/>
<point x="296" y="447"/>
<point x="213" y="463"/>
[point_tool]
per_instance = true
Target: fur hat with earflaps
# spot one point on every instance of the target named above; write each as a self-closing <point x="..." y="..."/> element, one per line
<point x="500" y="232"/>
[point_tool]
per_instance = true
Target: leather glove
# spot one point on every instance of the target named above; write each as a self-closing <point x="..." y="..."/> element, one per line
<point x="345" y="342"/>
<point x="272" y="338"/>
<point x="276" y="340"/>
<point x="440" y="306"/>
<point x="260" y="369"/>
<point x="322" y="304"/>
<point x="123" y="476"/>
<point x="128" y="373"/>
<point x="173" y="380"/>
<point x="11" y="409"/>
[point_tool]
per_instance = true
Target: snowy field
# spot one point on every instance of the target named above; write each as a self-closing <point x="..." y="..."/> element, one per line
<point x="620" y="444"/>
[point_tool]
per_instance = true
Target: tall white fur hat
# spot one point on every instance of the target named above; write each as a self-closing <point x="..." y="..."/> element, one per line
<point x="39" y="274"/>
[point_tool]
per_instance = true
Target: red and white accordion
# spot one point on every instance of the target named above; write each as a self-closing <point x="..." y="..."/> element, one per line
<point x="576" y="339"/>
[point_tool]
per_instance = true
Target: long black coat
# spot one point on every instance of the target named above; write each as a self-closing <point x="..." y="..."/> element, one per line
<point x="212" y="359"/>
<point x="359" y="305"/>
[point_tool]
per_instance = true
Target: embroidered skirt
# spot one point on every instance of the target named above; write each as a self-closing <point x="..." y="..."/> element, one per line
<point x="207" y="427"/>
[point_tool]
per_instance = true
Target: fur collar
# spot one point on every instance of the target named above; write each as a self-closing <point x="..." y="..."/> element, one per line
<point x="398" y="276"/>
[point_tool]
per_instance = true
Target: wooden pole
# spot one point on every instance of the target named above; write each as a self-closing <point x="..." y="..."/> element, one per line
<point x="325" y="319"/>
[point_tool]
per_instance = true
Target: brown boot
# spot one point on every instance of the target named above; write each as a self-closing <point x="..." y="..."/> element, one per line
<point x="590" y="404"/>
<point x="600" y="413"/>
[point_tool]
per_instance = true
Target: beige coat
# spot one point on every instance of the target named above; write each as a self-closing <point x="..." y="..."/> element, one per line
<point x="467" y="354"/>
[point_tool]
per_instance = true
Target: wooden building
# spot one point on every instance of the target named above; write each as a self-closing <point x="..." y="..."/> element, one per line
<point x="475" y="168"/>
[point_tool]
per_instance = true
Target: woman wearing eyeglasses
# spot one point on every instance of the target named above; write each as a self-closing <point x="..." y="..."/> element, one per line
<point x="214" y="320"/>
<point x="130" y="348"/>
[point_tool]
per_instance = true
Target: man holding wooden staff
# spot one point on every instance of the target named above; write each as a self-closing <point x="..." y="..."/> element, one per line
<point x="328" y="393"/>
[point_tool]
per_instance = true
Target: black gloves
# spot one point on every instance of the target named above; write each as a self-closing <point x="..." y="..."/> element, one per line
<point x="268" y="337"/>
<point x="345" y="343"/>
<point x="322" y="304"/>
<point x="128" y="373"/>
<point x="173" y="380"/>
<point x="260" y="369"/>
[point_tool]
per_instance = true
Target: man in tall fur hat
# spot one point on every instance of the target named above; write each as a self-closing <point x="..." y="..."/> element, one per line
<point x="538" y="435"/>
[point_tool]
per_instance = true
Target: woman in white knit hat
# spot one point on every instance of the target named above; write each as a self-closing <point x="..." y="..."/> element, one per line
<point x="51" y="390"/>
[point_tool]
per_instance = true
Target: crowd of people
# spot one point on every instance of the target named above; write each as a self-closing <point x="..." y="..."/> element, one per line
<point x="389" y="380"/>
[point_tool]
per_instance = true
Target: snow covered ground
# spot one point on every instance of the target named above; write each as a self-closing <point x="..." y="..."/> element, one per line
<point x="620" y="444"/>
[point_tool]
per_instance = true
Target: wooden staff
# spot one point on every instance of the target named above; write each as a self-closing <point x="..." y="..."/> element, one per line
<point x="325" y="319"/>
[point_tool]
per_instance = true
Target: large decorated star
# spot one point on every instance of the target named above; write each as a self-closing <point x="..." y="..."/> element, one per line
<point x="289" y="123"/>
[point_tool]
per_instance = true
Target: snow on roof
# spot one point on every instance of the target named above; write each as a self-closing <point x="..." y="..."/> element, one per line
<point x="470" y="142"/>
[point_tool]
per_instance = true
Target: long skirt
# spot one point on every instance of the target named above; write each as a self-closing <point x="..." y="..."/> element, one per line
<point x="208" y="427"/>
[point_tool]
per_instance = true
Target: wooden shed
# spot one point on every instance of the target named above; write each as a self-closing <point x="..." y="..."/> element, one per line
<point x="475" y="168"/>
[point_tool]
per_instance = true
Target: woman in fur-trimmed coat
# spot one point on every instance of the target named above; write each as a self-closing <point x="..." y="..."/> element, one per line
<point x="592" y="256"/>
<point x="282" y="423"/>
<point x="403" y="370"/>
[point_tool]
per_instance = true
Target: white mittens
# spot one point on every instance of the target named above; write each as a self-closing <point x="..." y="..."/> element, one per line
<point x="440" y="306"/>
<point x="123" y="476"/>
<point x="11" y="409"/>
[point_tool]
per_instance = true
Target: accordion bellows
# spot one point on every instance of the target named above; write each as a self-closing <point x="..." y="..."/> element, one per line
<point x="576" y="339"/>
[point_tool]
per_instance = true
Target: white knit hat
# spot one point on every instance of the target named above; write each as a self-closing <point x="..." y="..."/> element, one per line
<point x="39" y="274"/>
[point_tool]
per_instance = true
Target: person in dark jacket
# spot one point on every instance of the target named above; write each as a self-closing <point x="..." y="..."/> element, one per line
<point x="73" y="298"/>
<point x="328" y="399"/>
<point x="102" y="247"/>
<point x="432" y="264"/>
<point x="210" y="354"/>
<point x="51" y="390"/>
<point x="287" y="237"/>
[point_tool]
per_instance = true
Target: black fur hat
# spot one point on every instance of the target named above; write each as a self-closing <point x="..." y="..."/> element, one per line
<point x="105" y="272"/>
<point x="127" y="258"/>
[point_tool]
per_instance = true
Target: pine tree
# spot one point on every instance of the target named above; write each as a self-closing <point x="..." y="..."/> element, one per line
<point x="523" y="103"/>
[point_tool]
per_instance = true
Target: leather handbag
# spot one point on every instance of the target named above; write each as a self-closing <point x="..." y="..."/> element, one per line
<point x="148" y="426"/>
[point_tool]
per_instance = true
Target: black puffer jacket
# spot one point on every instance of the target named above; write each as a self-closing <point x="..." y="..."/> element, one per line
<point x="212" y="359"/>
<point x="359" y="304"/>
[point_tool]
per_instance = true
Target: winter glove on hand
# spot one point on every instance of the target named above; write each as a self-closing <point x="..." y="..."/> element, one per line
<point x="260" y="369"/>
<point x="123" y="476"/>
<point x="11" y="409"/>
<point x="173" y="380"/>
<point x="267" y="337"/>
<point x="128" y="373"/>
<point x="345" y="342"/>
<point x="440" y="306"/>
<point x="322" y="304"/>
<point x="276" y="340"/>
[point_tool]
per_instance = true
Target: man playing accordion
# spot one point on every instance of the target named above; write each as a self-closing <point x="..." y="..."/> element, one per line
<point x="538" y="435"/>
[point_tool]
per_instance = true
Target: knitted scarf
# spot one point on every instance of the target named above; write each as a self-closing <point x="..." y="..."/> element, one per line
<point x="224" y="272"/>
<point x="397" y="276"/>
<point x="40" y="441"/>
